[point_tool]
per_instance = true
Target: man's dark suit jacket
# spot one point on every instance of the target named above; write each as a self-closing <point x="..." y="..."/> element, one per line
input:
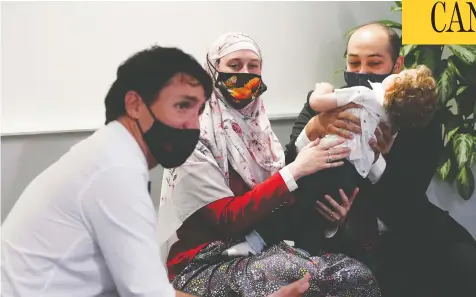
<point x="399" y="198"/>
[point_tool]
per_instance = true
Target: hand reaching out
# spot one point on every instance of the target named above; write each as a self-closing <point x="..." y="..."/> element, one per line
<point x="315" y="157"/>
<point x="338" y="214"/>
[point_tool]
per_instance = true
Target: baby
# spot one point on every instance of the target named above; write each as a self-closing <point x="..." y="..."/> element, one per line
<point x="405" y="100"/>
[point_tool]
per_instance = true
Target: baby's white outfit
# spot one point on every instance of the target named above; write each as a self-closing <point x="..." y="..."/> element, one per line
<point x="371" y="114"/>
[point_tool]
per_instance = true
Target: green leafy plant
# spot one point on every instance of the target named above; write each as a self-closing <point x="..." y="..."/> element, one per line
<point x="454" y="68"/>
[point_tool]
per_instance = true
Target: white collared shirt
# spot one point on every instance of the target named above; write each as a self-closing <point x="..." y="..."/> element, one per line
<point x="86" y="226"/>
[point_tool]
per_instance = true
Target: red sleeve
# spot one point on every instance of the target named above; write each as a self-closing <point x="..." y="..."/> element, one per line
<point x="232" y="215"/>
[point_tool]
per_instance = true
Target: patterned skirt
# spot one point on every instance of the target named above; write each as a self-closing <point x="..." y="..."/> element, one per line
<point x="211" y="274"/>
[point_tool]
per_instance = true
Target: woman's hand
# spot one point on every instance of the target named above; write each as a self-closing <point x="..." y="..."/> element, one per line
<point x="336" y="121"/>
<point x="339" y="212"/>
<point x="314" y="157"/>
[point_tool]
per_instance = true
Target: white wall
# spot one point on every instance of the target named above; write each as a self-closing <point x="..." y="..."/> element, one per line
<point x="59" y="58"/>
<point x="446" y="197"/>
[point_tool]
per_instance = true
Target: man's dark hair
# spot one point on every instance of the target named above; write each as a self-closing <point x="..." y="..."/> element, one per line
<point x="394" y="40"/>
<point x="147" y="72"/>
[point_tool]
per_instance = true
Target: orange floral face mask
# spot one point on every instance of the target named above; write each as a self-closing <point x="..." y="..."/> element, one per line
<point x="240" y="89"/>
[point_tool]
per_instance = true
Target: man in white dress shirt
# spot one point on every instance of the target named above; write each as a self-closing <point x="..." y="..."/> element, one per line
<point x="86" y="226"/>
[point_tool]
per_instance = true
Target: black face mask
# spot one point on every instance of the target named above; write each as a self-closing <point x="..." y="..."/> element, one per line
<point x="240" y="89"/>
<point x="170" y="146"/>
<point x="353" y="79"/>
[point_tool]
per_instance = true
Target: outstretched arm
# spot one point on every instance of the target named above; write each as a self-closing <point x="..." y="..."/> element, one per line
<point x="322" y="99"/>
<point x="322" y="102"/>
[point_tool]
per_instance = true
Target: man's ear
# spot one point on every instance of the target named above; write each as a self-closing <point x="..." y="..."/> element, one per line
<point x="399" y="63"/>
<point x="133" y="104"/>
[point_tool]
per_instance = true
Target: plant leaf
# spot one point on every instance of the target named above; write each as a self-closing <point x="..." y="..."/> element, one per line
<point x="467" y="53"/>
<point x="474" y="119"/>
<point x="466" y="73"/>
<point x="410" y="59"/>
<point x="466" y="98"/>
<point x="450" y="134"/>
<point x="446" y="84"/>
<point x="463" y="148"/>
<point x="451" y="121"/>
<point x="429" y="56"/>
<point x="395" y="8"/>
<point x="398" y="3"/>
<point x="452" y="105"/>
<point x="442" y="65"/>
<point x="453" y="62"/>
<point x="460" y="90"/>
<point x="449" y="170"/>
<point x="391" y="24"/>
<point x="465" y="182"/>
<point x="473" y="159"/>
<point x="444" y="169"/>
<point x="406" y="49"/>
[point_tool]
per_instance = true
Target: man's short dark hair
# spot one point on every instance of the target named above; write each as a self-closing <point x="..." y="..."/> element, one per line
<point x="395" y="42"/>
<point x="147" y="72"/>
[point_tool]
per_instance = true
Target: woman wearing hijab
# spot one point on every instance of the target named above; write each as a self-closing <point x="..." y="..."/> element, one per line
<point x="236" y="178"/>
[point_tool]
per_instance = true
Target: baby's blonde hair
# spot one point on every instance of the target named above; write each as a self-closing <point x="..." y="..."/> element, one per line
<point x="411" y="100"/>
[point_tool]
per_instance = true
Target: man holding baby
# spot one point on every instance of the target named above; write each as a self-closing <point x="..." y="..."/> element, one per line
<point x="413" y="247"/>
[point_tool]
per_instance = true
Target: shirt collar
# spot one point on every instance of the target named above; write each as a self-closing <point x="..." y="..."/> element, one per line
<point x="128" y="140"/>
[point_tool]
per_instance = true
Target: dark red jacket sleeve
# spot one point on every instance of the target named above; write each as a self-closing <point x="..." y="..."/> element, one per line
<point x="233" y="215"/>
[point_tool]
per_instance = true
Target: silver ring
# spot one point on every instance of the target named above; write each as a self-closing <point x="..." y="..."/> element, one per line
<point x="329" y="153"/>
<point x="329" y="160"/>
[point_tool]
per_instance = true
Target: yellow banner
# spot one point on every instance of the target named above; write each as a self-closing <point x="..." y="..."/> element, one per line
<point x="438" y="22"/>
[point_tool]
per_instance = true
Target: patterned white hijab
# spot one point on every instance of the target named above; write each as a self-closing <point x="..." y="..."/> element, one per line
<point x="240" y="138"/>
<point x="243" y="137"/>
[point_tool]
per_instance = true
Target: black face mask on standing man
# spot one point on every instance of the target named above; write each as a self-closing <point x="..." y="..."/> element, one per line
<point x="170" y="146"/>
<point x="353" y="79"/>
